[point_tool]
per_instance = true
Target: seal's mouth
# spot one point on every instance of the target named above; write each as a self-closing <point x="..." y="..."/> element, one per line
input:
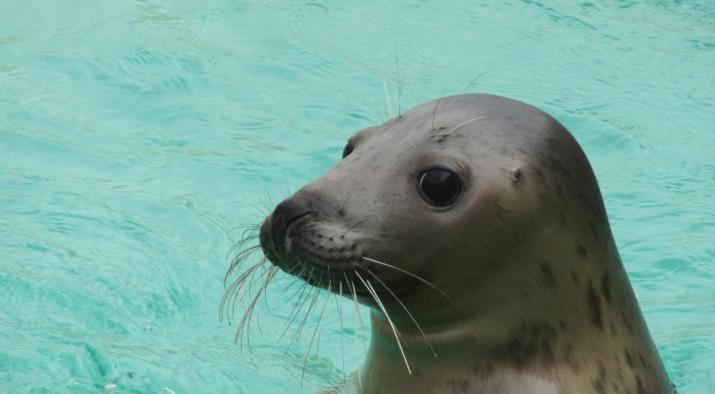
<point x="333" y="263"/>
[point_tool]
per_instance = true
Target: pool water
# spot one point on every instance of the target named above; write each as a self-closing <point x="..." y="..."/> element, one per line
<point x="139" y="138"/>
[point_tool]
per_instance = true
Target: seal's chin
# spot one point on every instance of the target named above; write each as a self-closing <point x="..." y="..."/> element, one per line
<point x="335" y="263"/>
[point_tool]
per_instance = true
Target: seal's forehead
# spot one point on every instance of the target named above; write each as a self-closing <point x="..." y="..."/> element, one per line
<point x="494" y="110"/>
<point x="480" y="117"/>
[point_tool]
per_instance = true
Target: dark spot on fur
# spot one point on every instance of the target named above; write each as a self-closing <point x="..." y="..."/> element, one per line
<point x="627" y="323"/>
<point x="606" y="286"/>
<point x="567" y="355"/>
<point x="581" y="250"/>
<point x="639" y="385"/>
<point x="341" y="212"/>
<point x="547" y="353"/>
<point x="599" y="384"/>
<point x="593" y="229"/>
<point x="642" y="360"/>
<point x="549" y="276"/>
<point x="574" y="276"/>
<point x="528" y="343"/>
<point x="560" y="192"/>
<point x="594" y="306"/>
<point x="517" y="177"/>
<point x="629" y="359"/>
<point x="461" y="386"/>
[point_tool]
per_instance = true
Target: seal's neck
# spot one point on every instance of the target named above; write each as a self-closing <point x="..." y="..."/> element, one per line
<point x="537" y="331"/>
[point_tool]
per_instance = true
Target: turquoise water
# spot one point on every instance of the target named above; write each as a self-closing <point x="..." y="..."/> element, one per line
<point x="137" y="138"/>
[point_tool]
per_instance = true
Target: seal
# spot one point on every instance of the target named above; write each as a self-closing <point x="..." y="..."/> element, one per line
<point x="474" y="229"/>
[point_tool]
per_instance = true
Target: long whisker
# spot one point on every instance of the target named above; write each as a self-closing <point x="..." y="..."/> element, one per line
<point x="372" y="292"/>
<point x="357" y="310"/>
<point x="229" y="297"/>
<point x="320" y="319"/>
<point x="342" y="329"/>
<point x="362" y="328"/>
<point x="434" y="353"/>
<point x="351" y="228"/>
<point x="399" y="85"/>
<point x="387" y="100"/>
<point x="410" y="274"/>
<point x="307" y="313"/>
<point x="436" y="107"/>
<point x="297" y="307"/>
<point x="242" y="256"/>
<point x="464" y="124"/>
<point x="245" y="320"/>
<point x="467" y="86"/>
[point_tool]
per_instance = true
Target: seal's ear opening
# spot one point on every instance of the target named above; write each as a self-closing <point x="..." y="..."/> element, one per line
<point x="439" y="187"/>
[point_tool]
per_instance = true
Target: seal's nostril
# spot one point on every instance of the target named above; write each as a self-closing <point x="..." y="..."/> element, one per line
<point x="286" y="213"/>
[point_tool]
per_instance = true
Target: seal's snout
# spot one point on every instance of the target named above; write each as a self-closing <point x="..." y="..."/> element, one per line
<point x="285" y="214"/>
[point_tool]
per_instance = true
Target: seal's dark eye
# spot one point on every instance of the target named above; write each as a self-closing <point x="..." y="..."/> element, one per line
<point x="348" y="149"/>
<point x="439" y="187"/>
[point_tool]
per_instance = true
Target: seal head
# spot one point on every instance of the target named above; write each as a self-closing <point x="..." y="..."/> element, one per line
<point x="474" y="229"/>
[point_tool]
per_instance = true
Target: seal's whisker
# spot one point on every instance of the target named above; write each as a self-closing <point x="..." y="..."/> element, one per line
<point x="339" y="306"/>
<point x="357" y="311"/>
<point x="317" y="326"/>
<point x="241" y="257"/>
<point x="436" y="107"/>
<point x="410" y="274"/>
<point x="400" y="85"/>
<point x="362" y="328"/>
<point x="248" y="287"/>
<point x="244" y="326"/>
<point x="289" y="191"/>
<point x="296" y="308"/>
<point x="388" y="105"/>
<point x="271" y="204"/>
<point x="317" y="339"/>
<point x="475" y="79"/>
<point x="262" y="290"/>
<point x="272" y="274"/>
<point x="307" y="313"/>
<point x="466" y="122"/>
<point x="230" y="294"/>
<point x="261" y="210"/>
<point x="374" y="295"/>
<point x="419" y="327"/>
<point x="351" y="228"/>
<point x="240" y="248"/>
<point x="249" y="233"/>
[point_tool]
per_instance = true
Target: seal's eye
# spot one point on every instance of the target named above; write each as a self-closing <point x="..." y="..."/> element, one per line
<point x="348" y="149"/>
<point x="439" y="187"/>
